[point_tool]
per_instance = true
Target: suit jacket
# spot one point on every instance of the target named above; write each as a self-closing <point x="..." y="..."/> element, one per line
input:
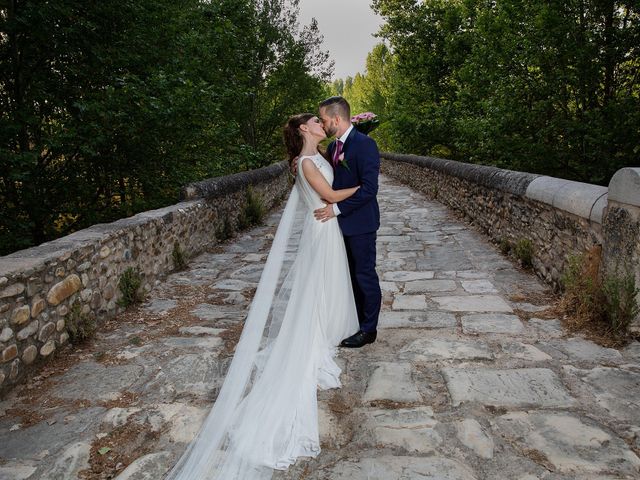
<point x="359" y="213"/>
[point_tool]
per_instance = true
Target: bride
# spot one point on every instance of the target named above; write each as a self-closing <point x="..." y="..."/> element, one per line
<point x="266" y="413"/>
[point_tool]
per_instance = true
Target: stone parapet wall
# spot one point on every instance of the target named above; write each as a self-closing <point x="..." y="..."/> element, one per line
<point x="559" y="217"/>
<point x="75" y="278"/>
<point x="621" y="226"/>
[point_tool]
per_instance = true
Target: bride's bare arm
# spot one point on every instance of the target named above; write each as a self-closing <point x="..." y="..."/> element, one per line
<point x="320" y="184"/>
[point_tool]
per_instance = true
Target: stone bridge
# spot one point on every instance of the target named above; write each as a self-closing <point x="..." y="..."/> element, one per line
<point x="473" y="376"/>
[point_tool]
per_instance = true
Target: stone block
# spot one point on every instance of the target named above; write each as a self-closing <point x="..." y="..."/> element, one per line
<point x="433" y="349"/>
<point x="416" y="319"/>
<point x="527" y="387"/>
<point x="624" y="186"/>
<point x="392" y="467"/>
<point x="147" y="467"/>
<point x="405" y="276"/>
<point x="424" y="286"/>
<point x="29" y="355"/>
<point x="29" y="330"/>
<point x="15" y="368"/>
<point x="64" y="289"/>
<point x="46" y="331"/>
<point x="616" y="390"/>
<point x="9" y="353"/>
<point x="479" y="286"/>
<point x="70" y="462"/>
<point x="472" y="435"/>
<point x="37" y="306"/>
<point x="48" y="348"/>
<point x="392" y="381"/>
<point x="12" y="290"/>
<point x="409" y="302"/>
<point x="412" y="429"/>
<point x="492" y="323"/>
<point x="473" y="303"/>
<point x="21" y="315"/>
<point x="571" y="445"/>
<point x="6" y="334"/>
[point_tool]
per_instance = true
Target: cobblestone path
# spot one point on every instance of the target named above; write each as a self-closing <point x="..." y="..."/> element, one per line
<point x="472" y="377"/>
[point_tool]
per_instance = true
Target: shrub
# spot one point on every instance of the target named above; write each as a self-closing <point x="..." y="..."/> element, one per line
<point x="225" y="231"/>
<point x="253" y="210"/>
<point x="523" y="250"/>
<point x="505" y="245"/>
<point x="80" y="327"/>
<point x="129" y="285"/>
<point x="179" y="261"/>
<point x="582" y="294"/>
<point x="620" y="301"/>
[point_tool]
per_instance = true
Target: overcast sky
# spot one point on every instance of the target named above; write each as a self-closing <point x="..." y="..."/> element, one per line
<point x="347" y="26"/>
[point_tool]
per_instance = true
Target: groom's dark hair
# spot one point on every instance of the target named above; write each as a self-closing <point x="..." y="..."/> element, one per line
<point x="337" y="106"/>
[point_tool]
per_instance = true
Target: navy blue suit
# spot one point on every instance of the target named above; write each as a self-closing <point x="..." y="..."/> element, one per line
<point x="359" y="220"/>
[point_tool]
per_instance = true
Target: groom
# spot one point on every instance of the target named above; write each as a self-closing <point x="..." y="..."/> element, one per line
<point x="356" y="161"/>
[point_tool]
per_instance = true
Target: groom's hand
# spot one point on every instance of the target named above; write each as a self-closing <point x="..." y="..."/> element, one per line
<point x="325" y="213"/>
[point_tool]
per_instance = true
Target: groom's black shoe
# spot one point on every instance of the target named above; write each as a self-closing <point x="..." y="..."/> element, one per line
<point x="360" y="339"/>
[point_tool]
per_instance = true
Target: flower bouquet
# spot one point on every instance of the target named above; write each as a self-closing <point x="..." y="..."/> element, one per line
<point x="365" y="122"/>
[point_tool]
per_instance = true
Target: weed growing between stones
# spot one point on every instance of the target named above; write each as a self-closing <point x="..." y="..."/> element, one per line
<point x="225" y="231"/>
<point x="620" y="301"/>
<point x="605" y="306"/>
<point x="80" y="327"/>
<point x="253" y="210"/>
<point x="582" y="295"/>
<point x="129" y="285"/>
<point x="523" y="251"/>
<point x="505" y="245"/>
<point x="179" y="260"/>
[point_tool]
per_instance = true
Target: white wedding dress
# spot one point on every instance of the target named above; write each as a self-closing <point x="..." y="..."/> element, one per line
<point x="266" y="413"/>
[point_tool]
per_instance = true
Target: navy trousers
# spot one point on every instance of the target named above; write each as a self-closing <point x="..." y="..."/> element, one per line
<point x="361" y="252"/>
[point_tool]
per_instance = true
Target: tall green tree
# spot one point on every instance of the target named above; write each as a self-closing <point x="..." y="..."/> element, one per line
<point x="542" y="86"/>
<point x="108" y="108"/>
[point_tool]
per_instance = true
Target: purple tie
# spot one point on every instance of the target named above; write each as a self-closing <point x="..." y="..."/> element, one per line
<point x="337" y="152"/>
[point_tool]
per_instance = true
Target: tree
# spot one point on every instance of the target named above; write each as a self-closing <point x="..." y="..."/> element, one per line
<point x="107" y="108"/>
<point x="547" y="87"/>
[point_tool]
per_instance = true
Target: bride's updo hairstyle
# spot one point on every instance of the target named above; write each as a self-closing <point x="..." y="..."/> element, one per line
<point x="293" y="140"/>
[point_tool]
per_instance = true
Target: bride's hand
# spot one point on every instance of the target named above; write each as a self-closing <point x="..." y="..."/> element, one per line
<point x="293" y="166"/>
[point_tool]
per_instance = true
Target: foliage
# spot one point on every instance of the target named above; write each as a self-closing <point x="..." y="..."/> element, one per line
<point x="129" y="285"/>
<point x="610" y="302"/>
<point x="252" y="212"/>
<point x="179" y="260"/>
<point x="538" y="86"/>
<point x="372" y="91"/>
<point x="620" y="301"/>
<point x="523" y="250"/>
<point x="224" y="231"/>
<point x="107" y="108"/>
<point x="80" y="327"/>
<point x="505" y="245"/>
<point x="582" y="293"/>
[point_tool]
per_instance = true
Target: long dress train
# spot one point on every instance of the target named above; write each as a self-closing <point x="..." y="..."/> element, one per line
<point x="266" y="413"/>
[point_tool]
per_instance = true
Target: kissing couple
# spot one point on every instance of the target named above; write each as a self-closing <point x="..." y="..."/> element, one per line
<point x="318" y="290"/>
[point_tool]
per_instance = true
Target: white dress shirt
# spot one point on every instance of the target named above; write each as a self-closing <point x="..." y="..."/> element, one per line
<point x="343" y="139"/>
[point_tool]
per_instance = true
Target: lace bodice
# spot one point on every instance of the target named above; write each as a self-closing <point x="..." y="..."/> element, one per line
<point x="309" y="196"/>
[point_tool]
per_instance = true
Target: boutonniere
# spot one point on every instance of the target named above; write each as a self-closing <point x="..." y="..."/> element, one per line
<point x="343" y="162"/>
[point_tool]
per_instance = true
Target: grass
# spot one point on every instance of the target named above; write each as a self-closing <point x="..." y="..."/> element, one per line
<point x="129" y="286"/>
<point x="80" y="327"/>
<point x="253" y="211"/>
<point x="605" y="305"/>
